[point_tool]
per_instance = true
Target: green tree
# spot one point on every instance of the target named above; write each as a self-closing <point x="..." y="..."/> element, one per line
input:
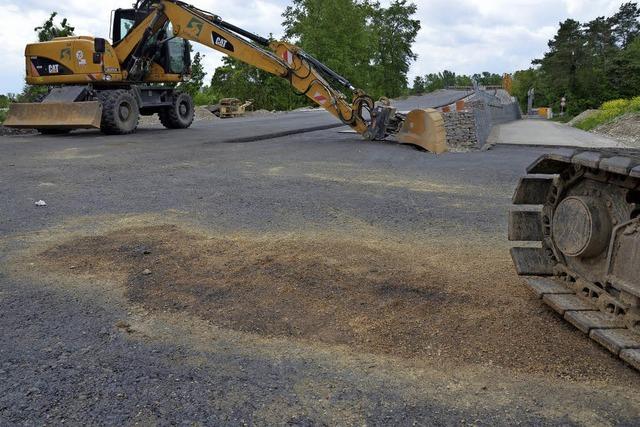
<point x="395" y="31"/>
<point x="566" y="53"/>
<point x="196" y="83"/>
<point x="433" y="81"/>
<point x="626" y="27"/>
<point x="488" y="79"/>
<point x="235" y="79"/>
<point x="418" y="86"/>
<point x="4" y="101"/>
<point x="45" y="32"/>
<point x="587" y="63"/>
<point x="627" y="75"/>
<point x="337" y="33"/>
<point x="50" y="30"/>
<point x="523" y="81"/>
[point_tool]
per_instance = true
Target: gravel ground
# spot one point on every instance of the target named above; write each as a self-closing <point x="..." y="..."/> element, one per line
<point x="175" y="278"/>
<point x="625" y="129"/>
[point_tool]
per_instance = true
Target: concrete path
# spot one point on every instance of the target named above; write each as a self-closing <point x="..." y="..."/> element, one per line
<point x="547" y="133"/>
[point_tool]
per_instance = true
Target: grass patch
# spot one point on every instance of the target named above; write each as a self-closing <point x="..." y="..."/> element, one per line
<point x="562" y="119"/>
<point x="610" y="111"/>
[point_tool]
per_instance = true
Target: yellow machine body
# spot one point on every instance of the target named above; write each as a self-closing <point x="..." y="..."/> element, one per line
<point x="69" y="60"/>
<point x="232" y="107"/>
<point x="132" y="63"/>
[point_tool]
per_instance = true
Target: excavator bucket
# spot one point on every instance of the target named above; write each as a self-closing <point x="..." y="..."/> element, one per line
<point x="55" y="115"/>
<point x="424" y="128"/>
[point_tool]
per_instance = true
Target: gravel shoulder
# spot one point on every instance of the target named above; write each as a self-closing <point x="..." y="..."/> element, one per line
<point x="625" y="129"/>
<point x="309" y="279"/>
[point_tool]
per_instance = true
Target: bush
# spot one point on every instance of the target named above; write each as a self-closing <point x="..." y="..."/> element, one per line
<point x="617" y="105"/>
<point x="609" y="111"/>
<point x="634" y="104"/>
<point x="4" y="101"/>
<point x="205" y="98"/>
<point x="3" y="116"/>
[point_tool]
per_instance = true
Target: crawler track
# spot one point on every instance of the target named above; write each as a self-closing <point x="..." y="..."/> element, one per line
<point x="577" y="214"/>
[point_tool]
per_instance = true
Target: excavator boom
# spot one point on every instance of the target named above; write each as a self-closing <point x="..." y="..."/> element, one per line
<point x="132" y="62"/>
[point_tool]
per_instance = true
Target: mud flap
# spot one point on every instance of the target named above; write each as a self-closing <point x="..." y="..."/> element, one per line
<point x="55" y="115"/>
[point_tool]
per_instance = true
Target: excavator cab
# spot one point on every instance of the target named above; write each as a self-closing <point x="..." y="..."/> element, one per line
<point x="174" y="55"/>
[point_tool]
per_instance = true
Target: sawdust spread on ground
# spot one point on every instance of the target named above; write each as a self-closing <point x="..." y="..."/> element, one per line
<point x="460" y="304"/>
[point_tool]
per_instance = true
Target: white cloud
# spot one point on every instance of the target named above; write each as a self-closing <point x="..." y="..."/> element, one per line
<point x="465" y="36"/>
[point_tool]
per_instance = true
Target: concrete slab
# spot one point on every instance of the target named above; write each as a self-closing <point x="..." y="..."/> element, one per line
<point x="547" y="133"/>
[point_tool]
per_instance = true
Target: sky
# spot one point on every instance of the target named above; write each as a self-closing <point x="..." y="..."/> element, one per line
<point x="465" y="36"/>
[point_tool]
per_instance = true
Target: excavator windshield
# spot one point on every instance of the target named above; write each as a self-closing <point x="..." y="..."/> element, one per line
<point x="173" y="55"/>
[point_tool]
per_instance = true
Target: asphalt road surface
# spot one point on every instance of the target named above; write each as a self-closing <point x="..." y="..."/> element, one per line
<point x="179" y="277"/>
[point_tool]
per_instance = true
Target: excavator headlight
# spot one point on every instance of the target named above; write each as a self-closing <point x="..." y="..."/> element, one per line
<point x="107" y="77"/>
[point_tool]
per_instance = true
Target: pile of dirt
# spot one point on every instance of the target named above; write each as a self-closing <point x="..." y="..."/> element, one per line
<point x="582" y="116"/>
<point x="201" y="114"/>
<point x="261" y="113"/>
<point x="462" y="305"/>
<point x="625" y="129"/>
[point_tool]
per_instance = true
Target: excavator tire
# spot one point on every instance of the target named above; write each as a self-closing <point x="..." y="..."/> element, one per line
<point x="181" y="113"/>
<point x="576" y="215"/>
<point x="120" y="112"/>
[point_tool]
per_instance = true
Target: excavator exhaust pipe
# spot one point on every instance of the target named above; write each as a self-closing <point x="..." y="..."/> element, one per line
<point x="424" y="128"/>
<point x="55" y="115"/>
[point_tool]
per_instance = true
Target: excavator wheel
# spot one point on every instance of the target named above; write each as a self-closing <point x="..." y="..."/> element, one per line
<point x="577" y="216"/>
<point x="181" y="113"/>
<point x="120" y="112"/>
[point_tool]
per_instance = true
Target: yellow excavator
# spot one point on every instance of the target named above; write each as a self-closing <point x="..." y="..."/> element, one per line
<point x="108" y="86"/>
<point x="576" y="215"/>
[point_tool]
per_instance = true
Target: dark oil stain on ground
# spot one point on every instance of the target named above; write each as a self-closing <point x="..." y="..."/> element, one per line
<point x="372" y="298"/>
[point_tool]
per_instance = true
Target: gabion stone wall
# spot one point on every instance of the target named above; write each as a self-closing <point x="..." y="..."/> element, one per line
<point x="461" y="130"/>
<point x="471" y="127"/>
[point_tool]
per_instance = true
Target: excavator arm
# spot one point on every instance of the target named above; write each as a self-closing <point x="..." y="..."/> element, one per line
<point x="306" y="74"/>
<point x="108" y="86"/>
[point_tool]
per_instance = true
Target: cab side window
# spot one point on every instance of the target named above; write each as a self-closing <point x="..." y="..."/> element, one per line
<point x="125" y="26"/>
<point x="176" y="52"/>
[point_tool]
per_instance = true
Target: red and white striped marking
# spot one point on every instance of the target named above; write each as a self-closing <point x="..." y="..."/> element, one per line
<point x="320" y="98"/>
<point x="288" y="57"/>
